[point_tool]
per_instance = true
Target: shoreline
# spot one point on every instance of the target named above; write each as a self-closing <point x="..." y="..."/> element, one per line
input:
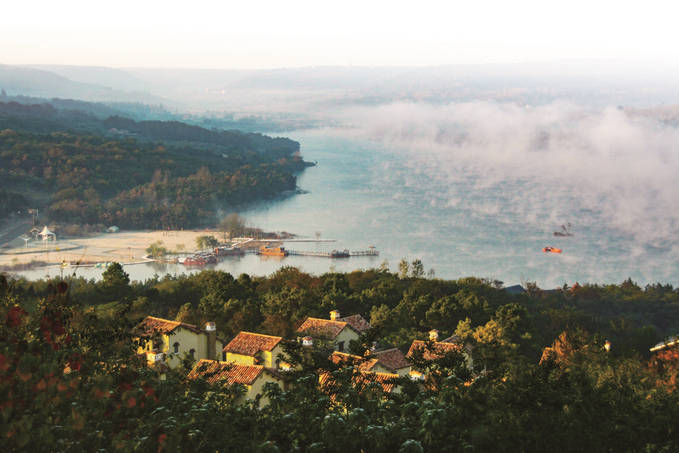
<point x="125" y="247"/>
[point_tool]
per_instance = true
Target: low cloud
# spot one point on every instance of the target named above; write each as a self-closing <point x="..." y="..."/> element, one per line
<point x="550" y="163"/>
<point x="528" y="169"/>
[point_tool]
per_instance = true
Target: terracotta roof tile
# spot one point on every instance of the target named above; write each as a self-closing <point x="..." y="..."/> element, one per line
<point x="392" y="359"/>
<point x="151" y="325"/>
<point x="357" y="322"/>
<point x="343" y="357"/>
<point x="322" y="328"/>
<point x="438" y="349"/>
<point x="247" y="343"/>
<point x="360" y="379"/>
<point x="226" y="373"/>
<point x="368" y="365"/>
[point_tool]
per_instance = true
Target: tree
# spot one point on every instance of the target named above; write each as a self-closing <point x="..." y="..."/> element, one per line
<point x="233" y="224"/>
<point x="156" y="249"/>
<point x="204" y="242"/>
<point x="114" y="276"/>
<point x="403" y="269"/>
<point x="115" y="283"/>
<point x="417" y="269"/>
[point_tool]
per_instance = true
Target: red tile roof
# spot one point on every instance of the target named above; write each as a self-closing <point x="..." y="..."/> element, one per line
<point x="368" y="365"/>
<point x="360" y="379"/>
<point x="392" y="359"/>
<point x="151" y="325"/>
<point x="225" y="373"/>
<point x="323" y="328"/>
<point x="247" y="343"/>
<point x="343" y="357"/>
<point x="438" y="349"/>
<point x="357" y="322"/>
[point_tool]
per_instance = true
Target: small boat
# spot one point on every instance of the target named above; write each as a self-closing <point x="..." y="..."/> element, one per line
<point x="273" y="251"/>
<point x="210" y="258"/>
<point x="551" y="250"/>
<point x="229" y="251"/>
<point x="194" y="260"/>
<point x="565" y="231"/>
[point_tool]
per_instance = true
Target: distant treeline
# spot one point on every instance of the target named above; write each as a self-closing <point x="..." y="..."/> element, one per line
<point x="147" y="174"/>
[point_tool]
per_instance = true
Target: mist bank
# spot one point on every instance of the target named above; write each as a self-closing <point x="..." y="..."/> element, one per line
<point x="610" y="172"/>
<point x="551" y="161"/>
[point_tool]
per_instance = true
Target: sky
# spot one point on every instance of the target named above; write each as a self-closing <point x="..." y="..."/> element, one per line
<point x="297" y="33"/>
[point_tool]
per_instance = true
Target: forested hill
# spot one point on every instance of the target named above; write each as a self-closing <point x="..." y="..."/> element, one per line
<point x="84" y="117"/>
<point x="541" y="378"/>
<point x="147" y="174"/>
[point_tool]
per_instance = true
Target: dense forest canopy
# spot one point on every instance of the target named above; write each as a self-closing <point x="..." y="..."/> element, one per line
<point x="147" y="174"/>
<point x="579" y="398"/>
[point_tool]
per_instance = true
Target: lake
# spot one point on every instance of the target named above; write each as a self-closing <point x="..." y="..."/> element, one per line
<point x="363" y="193"/>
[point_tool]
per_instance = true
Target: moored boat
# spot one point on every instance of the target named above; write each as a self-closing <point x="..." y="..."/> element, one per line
<point x="340" y="254"/>
<point x="273" y="251"/>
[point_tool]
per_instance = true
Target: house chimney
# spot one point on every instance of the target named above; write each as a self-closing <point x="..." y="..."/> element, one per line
<point x="211" y="330"/>
<point x="307" y="342"/>
<point x="154" y="356"/>
<point x="434" y="335"/>
<point x="334" y="315"/>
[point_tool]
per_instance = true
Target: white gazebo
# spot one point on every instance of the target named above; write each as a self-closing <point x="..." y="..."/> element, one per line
<point x="46" y="234"/>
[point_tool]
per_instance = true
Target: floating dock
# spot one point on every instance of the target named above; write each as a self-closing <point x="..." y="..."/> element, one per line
<point x="372" y="251"/>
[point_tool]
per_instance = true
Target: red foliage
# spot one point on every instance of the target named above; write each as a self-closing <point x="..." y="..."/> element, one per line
<point x="52" y="327"/>
<point x="665" y="365"/>
<point x="15" y="316"/>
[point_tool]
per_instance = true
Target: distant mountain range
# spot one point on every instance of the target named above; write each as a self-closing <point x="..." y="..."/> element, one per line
<point x="23" y="80"/>
<point x="314" y="92"/>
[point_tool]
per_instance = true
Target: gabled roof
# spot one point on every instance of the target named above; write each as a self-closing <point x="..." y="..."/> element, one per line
<point x="344" y="357"/>
<point x="247" y="343"/>
<point x="392" y="359"/>
<point x="361" y="379"/>
<point x="438" y="349"/>
<point x="226" y="373"/>
<point x="357" y="322"/>
<point x="671" y="341"/>
<point x="324" y="328"/>
<point x="368" y="365"/>
<point x="151" y="325"/>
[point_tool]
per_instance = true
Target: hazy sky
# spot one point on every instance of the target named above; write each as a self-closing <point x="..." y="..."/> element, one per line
<point x="287" y="33"/>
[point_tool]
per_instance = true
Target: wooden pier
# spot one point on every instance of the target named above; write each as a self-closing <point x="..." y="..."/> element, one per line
<point x="372" y="251"/>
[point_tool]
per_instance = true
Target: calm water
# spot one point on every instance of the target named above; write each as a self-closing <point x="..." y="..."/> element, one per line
<point x="362" y="194"/>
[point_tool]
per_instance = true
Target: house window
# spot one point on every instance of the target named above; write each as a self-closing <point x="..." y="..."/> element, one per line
<point x="223" y="356"/>
<point x="176" y="348"/>
<point x="340" y="346"/>
<point x="193" y="353"/>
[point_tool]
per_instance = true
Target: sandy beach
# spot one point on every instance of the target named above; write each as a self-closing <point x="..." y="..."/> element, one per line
<point x="122" y="247"/>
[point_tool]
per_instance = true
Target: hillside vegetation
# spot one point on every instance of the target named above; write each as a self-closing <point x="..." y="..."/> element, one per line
<point x="147" y="174"/>
<point x="581" y="398"/>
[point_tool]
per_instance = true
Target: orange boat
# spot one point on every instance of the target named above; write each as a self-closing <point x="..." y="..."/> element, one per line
<point x="551" y="250"/>
<point x="273" y="251"/>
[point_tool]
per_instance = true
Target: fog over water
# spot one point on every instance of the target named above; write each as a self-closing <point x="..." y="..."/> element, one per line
<point x="478" y="189"/>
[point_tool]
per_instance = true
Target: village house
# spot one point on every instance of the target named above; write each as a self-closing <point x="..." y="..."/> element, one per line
<point x="249" y="348"/>
<point x="252" y="377"/>
<point x="392" y="360"/>
<point x="389" y="361"/>
<point x="363" y="381"/>
<point x="162" y="340"/>
<point x="341" y="331"/>
<point x="438" y="349"/>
